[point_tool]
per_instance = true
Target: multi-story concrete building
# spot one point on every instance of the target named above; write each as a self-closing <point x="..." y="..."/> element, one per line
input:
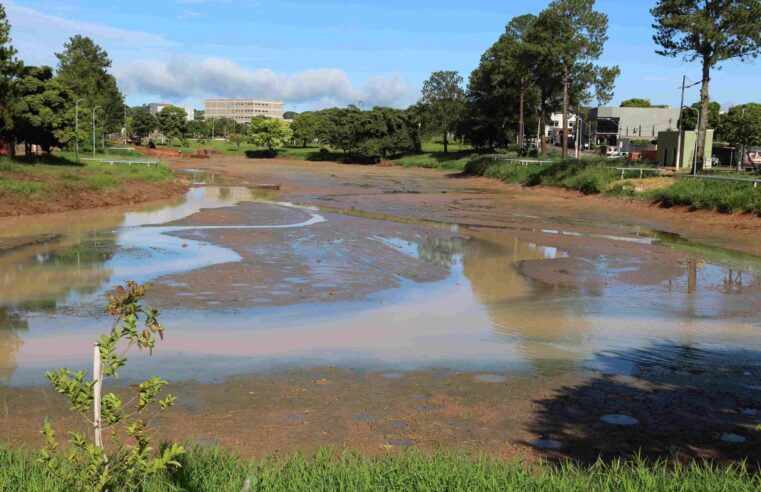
<point x="617" y="127"/>
<point x="155" y="108"/>
<point x="243" y="110"/>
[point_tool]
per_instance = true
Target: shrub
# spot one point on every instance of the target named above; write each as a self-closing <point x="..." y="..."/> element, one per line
<point x="90" y="465"/>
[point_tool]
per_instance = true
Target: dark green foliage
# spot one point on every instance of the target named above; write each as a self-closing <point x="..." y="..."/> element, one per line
<point x="636" y="103"/>
<point x="83" y="69"/>
<point x="172" y="122"/>
<point x="741" y="125"/>
<point x="365" y="136"/>
<point x="143" y="122"/>
<point x="710" y="32"/>
<point x="9" y="68"/>
<point x="41" y="110"/>
<point x="443" y="103"/>
<point x="304" y="127"/>
<point x="689" y="119"/>
<point x="268" y="133"/>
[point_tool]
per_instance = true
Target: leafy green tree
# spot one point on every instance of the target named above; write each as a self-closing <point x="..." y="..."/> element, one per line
<point x="289" y="115"/>
<point x="636" y="103"/>
<point x="269" y="133"/>
<point x="199" y="129"/>
<point x="575" y="35"/>
<point x="711" y="32"/>
<point x="143" y="122"/>
<point x="444" y="103"/>
<point x="42" y="110"/>
<point x="96" y="466"/>
<point x="172" y="123"/>
<point x="499" y="89"/>
<point x="9" y="69"/>
<point x="689" y="119"/>
<point x="304" y="127"/>
<point x="741" y="126"/>
<point x="237" y="139"/>
<point x="83" y="69"/>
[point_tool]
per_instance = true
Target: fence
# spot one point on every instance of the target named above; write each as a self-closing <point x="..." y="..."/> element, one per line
<point x="120" y="161"/>
<point x="755" y="181"/>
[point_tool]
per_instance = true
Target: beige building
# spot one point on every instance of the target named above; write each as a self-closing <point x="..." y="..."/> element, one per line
<point x="243" y="110"/>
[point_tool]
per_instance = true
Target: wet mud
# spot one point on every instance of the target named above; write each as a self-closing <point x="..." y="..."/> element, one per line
<point x="383" y="308"/>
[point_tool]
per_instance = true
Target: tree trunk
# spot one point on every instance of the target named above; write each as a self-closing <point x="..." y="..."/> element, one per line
<point x="446" y="143"/>
<point x="520" y="114"/>
<point x="97" y="375"/>
<point x="704" y="100"/>
<point x="565" y="112"/>
<point x="540" y="132"/>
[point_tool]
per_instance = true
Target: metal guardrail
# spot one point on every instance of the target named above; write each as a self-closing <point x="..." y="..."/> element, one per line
<point x="640" y="169"/>
<point x="755" y="181"/>
<point x="524" y="162"/>
<point x="120" y="161"/>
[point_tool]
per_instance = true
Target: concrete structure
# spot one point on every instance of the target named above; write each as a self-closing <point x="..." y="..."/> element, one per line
<point x="243" y="110"/>
<point x="667" y="143"/>
<point x="614" y="126"/>
<point x="155" y="108"/>
<point x="553" y="130"/>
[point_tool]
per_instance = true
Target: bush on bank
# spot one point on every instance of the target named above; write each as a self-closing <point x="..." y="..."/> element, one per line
<point x="215" y="470"/>
<point x="594" y="176"/>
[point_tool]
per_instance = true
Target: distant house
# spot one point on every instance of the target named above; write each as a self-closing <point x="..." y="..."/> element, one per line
<point x="155" y="108"/>
<point x="667" y="148"/>
<point x="619" y="127"/>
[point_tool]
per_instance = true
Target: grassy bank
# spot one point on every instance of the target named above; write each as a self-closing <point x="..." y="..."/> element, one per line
<point x="48" y="176"/>
<point x="593" y="176"/>
<point x="212" y="470"/>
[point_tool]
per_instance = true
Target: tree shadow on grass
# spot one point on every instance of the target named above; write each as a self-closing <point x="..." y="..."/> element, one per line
<point x="50" y="159"/>
<point x="685" y="399"/>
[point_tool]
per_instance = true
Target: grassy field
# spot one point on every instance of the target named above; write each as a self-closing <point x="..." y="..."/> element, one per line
<point x="46" y="176"/>
<point x="591" y="176"/>
<point x="213" y="470"/>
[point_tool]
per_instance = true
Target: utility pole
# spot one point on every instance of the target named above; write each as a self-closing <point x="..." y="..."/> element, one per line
<point x="76" y="128"/>
<point x="125" y="125"/>
<point x="678" y="162"/>
<point x="93" y="129"/>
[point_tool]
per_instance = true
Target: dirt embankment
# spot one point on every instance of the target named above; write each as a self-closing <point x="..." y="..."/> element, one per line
<point x="61" y="198"/>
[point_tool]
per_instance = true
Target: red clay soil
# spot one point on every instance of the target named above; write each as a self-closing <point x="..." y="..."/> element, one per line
<point x="128" y="193"/>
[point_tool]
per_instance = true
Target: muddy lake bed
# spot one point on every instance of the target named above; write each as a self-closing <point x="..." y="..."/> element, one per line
<point x="294" y="319"/>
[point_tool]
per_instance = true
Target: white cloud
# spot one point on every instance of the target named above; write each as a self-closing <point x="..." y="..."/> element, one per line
<point x="182" y="78"/>
<point x="188" y="15"/>
<point x="36" y="22"/>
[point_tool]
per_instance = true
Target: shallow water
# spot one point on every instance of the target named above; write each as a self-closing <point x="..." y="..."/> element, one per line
<point x="484" y="313"/>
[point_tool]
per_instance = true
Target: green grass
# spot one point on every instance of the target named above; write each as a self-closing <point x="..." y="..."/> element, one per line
<point x="45" y="176"/>
<point x="722" y="196"/>
<point x="214" y="470"/>
<point x="25" y="189"/>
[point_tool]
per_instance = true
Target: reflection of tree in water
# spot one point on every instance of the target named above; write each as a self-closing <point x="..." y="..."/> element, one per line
<point x="534" y="315"/>
<point x="11" y="323"/>
<point x="50" y="272"/>
<point x="442" y="252"/>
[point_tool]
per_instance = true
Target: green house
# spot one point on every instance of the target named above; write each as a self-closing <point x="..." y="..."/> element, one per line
<point x="667" y="148"/>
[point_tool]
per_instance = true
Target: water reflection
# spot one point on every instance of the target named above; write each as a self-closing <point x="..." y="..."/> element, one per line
<point x="11" y="324"/>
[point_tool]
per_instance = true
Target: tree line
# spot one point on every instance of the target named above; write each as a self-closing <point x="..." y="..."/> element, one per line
<point x="39" y="104"/>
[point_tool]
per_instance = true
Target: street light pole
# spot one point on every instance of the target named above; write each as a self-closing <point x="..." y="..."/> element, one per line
<point x="76" y="127"/>
<point x="93" y="129"/>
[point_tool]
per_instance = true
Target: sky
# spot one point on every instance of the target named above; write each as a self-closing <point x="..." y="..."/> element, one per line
<point x="321" y="53"/>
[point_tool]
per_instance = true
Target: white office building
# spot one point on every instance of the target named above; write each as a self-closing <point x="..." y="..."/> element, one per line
<point x="243" y="110"/>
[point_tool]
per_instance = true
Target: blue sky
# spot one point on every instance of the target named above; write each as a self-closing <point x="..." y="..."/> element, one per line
<point x="319" y="53"/>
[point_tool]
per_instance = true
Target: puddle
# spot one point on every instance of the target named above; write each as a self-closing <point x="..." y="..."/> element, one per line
<point x="283" y="285"/>
<point x="546" y="444"/>
<point x="489" y="378"/>
<point x="734" y="438"/>
<point x="619" y="419"/>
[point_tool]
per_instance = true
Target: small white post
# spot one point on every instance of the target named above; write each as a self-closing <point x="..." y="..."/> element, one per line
<point x="97" y="374"/>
